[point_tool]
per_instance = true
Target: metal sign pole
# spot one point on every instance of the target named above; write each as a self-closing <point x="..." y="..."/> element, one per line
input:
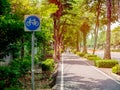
<point x="32" y="23"/>
<point x="32" y="62"/>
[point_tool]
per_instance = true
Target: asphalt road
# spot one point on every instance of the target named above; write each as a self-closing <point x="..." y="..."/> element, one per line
<point x="75" y="73"/>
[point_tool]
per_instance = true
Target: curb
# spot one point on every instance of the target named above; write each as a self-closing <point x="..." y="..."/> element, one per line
<point x="116" y="76"/>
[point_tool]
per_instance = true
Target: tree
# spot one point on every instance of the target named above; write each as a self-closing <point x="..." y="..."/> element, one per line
<point x="12" y="26"/>
<point x="85" y="28"/>
<point x="107" y="54"/>
<point x="5" y="7"/>
<point x="62" y="5"/>
<point x="115" y="39"/>
<point x="9" y="27"/>
<point x="98" y="9"/>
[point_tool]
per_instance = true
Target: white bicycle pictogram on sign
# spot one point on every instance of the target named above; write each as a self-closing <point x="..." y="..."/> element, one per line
<point x="33" y="22"/>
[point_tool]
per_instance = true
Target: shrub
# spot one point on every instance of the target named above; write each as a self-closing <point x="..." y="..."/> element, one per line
<point x="116" y="50"/>
<point x="94" y="58"/>
<point x="116" y="69"/>
<point x="89" y="55"/>
<point x="9" y="75"/>
<point x="80" y="54"/>
<point x="48" y="65"/>
<point x="13" y="88"/>
<point x="106" y="63"/>
<point x="4" y="75"/>
<point x="74" y="51"/>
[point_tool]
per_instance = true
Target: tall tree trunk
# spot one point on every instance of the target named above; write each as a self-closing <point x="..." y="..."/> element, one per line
<point x="97" y="25"/>
<point x="56" y="18"/>
<point x="55" y="40"/>
<point x="107" y="54"/>
<point x="77" y="42"/>
<point x="118" y="13"/>
<point x="84" y="44"/>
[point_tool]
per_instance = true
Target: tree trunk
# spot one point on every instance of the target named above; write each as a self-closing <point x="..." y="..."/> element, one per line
<point x="118" y="12"/>
<point x="55" y="41"/>
<point x="77" y="42"/>
<point x="107" y="54"/>
<point x="97" y="26"/>
<point x="56" y="18"/>
<point x="84" y="44"/>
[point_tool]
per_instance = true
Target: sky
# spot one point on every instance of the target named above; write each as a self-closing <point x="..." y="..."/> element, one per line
<point x="115" y="25"/>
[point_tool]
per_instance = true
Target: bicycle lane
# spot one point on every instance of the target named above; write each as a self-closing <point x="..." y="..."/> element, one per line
<point x="78" y="75"/>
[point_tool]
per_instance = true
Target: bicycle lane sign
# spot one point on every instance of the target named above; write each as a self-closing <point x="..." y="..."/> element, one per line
<point x="32" y="23"/>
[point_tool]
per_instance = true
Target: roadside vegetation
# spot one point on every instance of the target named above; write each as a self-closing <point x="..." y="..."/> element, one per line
<point x="116" y="69"/>
<point x="101" y="63"/>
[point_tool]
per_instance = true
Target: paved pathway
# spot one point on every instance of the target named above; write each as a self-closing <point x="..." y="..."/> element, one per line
<point x="79" y="75"/>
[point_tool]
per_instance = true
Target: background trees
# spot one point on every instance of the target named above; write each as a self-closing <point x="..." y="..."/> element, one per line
<point x="73" y="21"/>
<point x="12" y="34"/>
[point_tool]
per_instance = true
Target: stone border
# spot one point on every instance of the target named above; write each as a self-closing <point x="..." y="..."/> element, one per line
<point x="116" y="76"/>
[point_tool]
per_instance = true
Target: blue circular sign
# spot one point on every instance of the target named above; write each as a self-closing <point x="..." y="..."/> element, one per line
<point x="32" y="23"/>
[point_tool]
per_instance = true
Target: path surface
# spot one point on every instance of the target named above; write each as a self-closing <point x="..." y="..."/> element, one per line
<point x="79" y="75"/>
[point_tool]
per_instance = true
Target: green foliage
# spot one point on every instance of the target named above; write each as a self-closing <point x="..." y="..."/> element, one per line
<point x="94" y="58"/>
<point x="115" y="39"/>
<point x="11" y="31"/>
<point x="14" y="88"/>
<point x="74" y="51"/>
<point x="116" y="69"/>
<point x="89" y="55"/>
<point x="116" y="50"/>
<point x="4" y="7"/>
<point x="9" y="75"/>
<point x="106" y="63"/>
<point x="48" y="65"/>
<point x="80" y="54"/>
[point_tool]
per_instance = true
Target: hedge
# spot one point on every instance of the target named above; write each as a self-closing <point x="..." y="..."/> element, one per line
<point x="48" y="65"/>
<point x="80" y="54"/>
<point x="89" y="55"/>
<point x="94" y="58"/>
<point x="116" y="69"/>
<point x="106" y="63"/>
<point x="117" y="50"/>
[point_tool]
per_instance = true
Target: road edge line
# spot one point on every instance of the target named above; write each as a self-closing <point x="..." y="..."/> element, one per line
<point x="104" y="73"/>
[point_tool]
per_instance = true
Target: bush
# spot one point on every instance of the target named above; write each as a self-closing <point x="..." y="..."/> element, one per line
<point x="48" y="65"/>
<point x="74" y="51"/>
<point x="9" y="75"/>
<point x="116" y="69"/>
<point x="89" y="55"/>
<point x="106" y="63"/>
<point x="116" y="50"/>
<point x="94" y="58"/>
<point x="13" y="88"/>
<point x="4" y="75"/>
<point x="80" y="54"/>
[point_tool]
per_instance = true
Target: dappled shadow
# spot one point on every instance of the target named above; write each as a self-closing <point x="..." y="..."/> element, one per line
<point x="74" y="62"/>
<point x="79" y="82"/>
<point x="74" y="79"/>
<point x="70" y="56"/>
<point x="73" y="82"/>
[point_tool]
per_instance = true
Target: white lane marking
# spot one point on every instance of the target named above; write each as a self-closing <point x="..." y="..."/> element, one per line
<point x="103" y="73"/>
<point x="62" y="80"/>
